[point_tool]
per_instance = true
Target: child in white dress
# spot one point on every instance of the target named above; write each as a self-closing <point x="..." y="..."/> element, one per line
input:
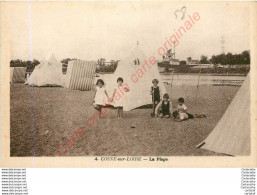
<point x="119" y="103"/>
<point x="101" y="96"/>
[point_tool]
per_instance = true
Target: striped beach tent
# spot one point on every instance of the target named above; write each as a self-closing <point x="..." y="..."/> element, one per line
<point x="17" y="74"/>
<point x="232" y="133"/>
<point x="80" y="75"/>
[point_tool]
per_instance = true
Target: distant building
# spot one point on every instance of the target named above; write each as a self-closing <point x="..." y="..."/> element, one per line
<point x="168" y="64"/>
<point x="101" y="61"/>
<point x="193" y="62"/>
<point x="174" y="62"/>
<point x="113" y="62"/>
<point x="203" y="66"/>
<point x="237" y="66"/>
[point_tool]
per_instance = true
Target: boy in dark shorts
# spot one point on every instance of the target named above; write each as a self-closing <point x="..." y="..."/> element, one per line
<point x="164" y="108"/>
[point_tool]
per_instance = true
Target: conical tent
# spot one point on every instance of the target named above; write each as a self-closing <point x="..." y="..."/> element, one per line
<point x="17" y="74"/>
<point x="137" y="72"/>
<point x="47" y="73"/>
<point x="232" y="134"/>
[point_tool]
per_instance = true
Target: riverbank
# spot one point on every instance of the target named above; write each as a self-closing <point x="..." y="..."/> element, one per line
<point x="197" y="73"/>
<point x="192" y="79"/>
<point x="205" y="74"/>
<point x="57" y="112"/>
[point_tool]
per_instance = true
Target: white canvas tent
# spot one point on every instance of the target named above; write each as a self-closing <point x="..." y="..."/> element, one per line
<point x="232" y="134"/>
<point x="139" y="94"/>
<point x="80" y="75"/>
<point x="17" y="74"/>
<point x="47" y="73"/>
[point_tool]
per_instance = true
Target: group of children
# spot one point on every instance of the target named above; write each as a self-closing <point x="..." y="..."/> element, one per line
<point x="162" y="106"/>
<point x="101" y="95"/>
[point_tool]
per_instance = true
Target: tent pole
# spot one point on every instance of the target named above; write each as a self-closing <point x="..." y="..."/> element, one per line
<point x="171" y="82"/>
<point x="172" y="78"/>
<point x="153" y="113"/>
<point x="153" y="102"/>
<point x="198" y="83"/>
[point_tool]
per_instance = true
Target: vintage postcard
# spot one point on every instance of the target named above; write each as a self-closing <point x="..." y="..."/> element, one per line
<point x="128" y="84"/>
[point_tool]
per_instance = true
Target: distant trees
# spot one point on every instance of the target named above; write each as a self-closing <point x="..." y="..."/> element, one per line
<point x="17" y="63"/>
<point x="182" y="67"/>
<point x="35" y="62"/>
<point x="232" y="59"/>
<point x="29" y="64"/>
<point x="66" y="60"/>
<point x="65" y="64"/>
<point x="182" y="63"/>
<point x="107" y="68"/>
<point x="204" y="60"/>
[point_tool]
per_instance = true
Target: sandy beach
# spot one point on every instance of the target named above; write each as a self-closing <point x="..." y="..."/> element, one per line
<point x="57" y="112"/>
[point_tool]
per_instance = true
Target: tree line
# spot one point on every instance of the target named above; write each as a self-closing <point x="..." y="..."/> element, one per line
<point x="32" y="64"/>
<point x="223" y="59"/>
<point x="29" y="64"/>
<point x="228" y="59"/>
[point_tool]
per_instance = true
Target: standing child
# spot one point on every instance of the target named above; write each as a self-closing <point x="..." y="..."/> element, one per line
<point x="164" y="108"/>
<point x="100" y="96"/>
<point x="156" y="93"/>
<point x="119" y="103"/>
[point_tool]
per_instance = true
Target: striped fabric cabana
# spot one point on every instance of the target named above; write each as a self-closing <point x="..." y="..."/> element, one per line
<point x="80" y="75"/>
<point x="17" y="74"/>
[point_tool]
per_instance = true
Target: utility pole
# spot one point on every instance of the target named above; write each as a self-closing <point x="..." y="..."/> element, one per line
<point x="174" y="52"/>
<point x="222" y="40"/>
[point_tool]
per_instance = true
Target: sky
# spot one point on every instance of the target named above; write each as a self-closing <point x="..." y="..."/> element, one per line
<point x="93" y="30"/>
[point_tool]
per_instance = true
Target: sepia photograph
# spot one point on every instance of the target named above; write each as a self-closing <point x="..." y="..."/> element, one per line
<point x="132" y="79"/>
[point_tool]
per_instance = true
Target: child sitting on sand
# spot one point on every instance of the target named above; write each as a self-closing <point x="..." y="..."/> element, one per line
<point x="100" y="96"/>
<point x="182" y="110"/>
<point x="181" y="114"/>
<point x="156" y="93"/>
<point x="164" y="108"/>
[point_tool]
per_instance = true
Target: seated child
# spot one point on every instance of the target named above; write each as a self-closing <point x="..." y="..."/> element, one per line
<point x="164" y="108"/>
<point x="182" y="109"/>
<point x="182" y="114"/>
